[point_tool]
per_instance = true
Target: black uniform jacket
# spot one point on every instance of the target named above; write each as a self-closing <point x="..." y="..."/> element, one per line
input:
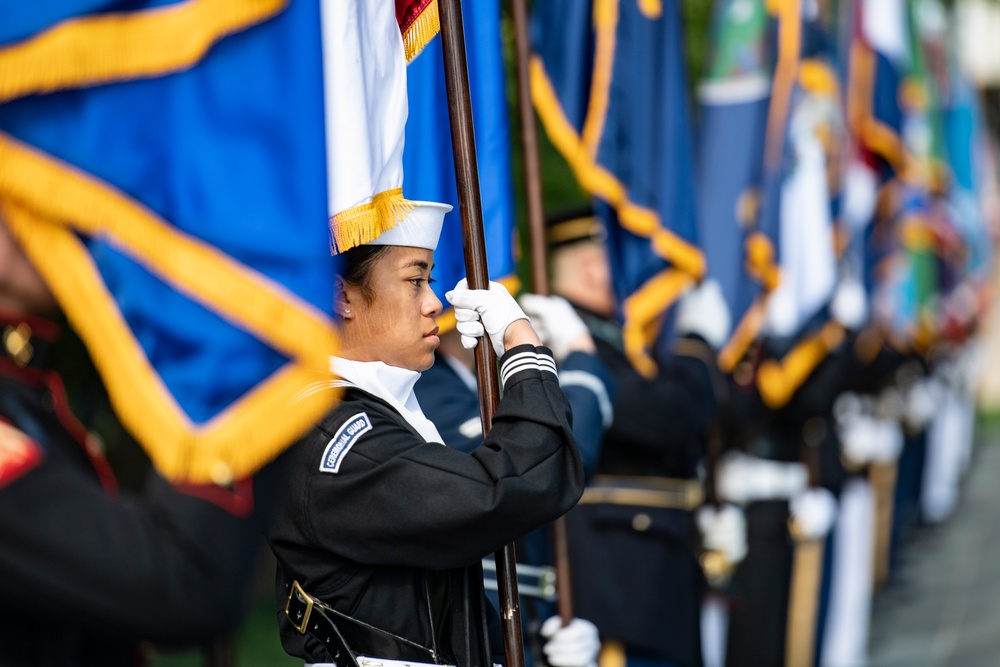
<point x="761" y="585"/>
<point x="634" y="571"/>
<point x="394" y="536"/>
<point x="453" y="406"/>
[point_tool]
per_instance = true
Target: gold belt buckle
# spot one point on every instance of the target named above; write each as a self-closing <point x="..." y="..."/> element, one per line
<point x="297" y="590"/>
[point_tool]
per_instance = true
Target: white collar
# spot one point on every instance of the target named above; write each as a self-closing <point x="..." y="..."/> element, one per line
<point x="393" y="385"/>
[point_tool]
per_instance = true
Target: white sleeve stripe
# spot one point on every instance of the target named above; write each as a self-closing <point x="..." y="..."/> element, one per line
<point x="524" y="361"/>
<point x="591" y="382"/>
<point x="512" y="369"/>
<point x="519" y="356"/>
<point x="547" y="362"/>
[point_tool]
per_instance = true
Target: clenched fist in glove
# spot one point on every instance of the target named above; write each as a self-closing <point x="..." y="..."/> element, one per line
<point x="574" y="645"/>
<point x="813" y="512"/>
<point x="557" y="324"/>
<point x="480" y="312"/>
<point x="723" y="530"/>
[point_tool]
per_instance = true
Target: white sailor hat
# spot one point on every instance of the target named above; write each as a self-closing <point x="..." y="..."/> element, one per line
<point x="420" y="228"/>
<point x="366" y="110"/>
<point x="391" y="220"/>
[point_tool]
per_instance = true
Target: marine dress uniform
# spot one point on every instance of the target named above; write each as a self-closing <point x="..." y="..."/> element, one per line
<point x="87" y="572"/>
<point x="383" y="527"/>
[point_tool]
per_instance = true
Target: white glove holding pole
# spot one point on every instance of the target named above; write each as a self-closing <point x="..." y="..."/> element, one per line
<point x="574" y="645"/>
<point x="555" y="321"/>
<point x="813" y="512"/>
<point x="482" y="312"/>
<point x="703" y="311"/>
<point x="723" y="530"/>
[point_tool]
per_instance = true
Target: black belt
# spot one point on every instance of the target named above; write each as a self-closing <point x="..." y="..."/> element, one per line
<point x="338" y="632"/>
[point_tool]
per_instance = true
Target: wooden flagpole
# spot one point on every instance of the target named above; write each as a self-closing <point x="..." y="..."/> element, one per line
<point x="807" y="565"/>
<point x="537" y="252"/>
<point x="477" y="273"/>
<point x="529" y="146"/>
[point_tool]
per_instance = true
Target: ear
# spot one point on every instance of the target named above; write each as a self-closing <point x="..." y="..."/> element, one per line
<point x="342" y="299"/>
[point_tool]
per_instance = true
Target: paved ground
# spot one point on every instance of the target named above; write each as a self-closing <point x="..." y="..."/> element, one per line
<point x="943" y="610"/>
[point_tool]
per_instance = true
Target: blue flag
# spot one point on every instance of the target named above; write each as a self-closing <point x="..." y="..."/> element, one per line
<point x="163" y="165"/>
<point x="609" y="83"/>
<point x="737" y="200"/>
<point x="428" y="159"/>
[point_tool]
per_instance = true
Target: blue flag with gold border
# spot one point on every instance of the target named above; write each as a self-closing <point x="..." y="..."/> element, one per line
<point x="162" y="163"/>
<point x="609" y="83"/>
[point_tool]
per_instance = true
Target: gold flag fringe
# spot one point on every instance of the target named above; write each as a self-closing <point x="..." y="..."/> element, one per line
<point x="419" y="33"/>
<point x="364" y="223"/>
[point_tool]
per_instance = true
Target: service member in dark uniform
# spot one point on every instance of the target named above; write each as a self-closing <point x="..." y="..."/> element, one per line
<point x="774" y="478"/>
<point x="86" y="571"/>
<point x="448" y="396"/>
<point x="633" y="540"/>
<point x="382" y="528"/>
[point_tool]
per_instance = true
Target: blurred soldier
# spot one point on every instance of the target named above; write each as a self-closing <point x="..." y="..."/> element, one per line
<point x="447" y="393"/>
<point x="786" y="471"/>
<point x="86" y="572"/>
<point x="633" y="537"/>
<point x="770" y="477"/>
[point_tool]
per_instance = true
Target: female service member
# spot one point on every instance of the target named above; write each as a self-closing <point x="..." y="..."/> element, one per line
<point x="381" y="528"/>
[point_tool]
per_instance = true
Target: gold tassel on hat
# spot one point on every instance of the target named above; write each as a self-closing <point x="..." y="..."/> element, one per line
<point x="366" y="222"/>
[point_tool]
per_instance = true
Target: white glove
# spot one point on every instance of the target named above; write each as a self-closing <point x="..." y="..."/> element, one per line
<point x="703" y="311"/>
<point x="813" y="512"/>
<point x="866" y="439"/>
<point x="923" y="400"/>
<point x="575" y="645"/>
<point x="850" y="304"/>
<point x="859" y="437"/>
<point x="723" y="530"/>
<point x="890" y="442"/>
<point x="555" y="321"/>
<point x="481" y="312"/>
<point x="742" y="478"/>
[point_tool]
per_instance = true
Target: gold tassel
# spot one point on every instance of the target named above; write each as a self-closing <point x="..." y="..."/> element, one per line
<point x="779" y="380"/>
<point x="364" y="223"/>
<point x="421" y="31"/>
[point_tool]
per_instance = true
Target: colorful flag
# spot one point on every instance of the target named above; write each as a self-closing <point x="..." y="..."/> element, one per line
<point x="163" y="165"/>
<point x="609" y="83"/>
<point x="966" y="139"/>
